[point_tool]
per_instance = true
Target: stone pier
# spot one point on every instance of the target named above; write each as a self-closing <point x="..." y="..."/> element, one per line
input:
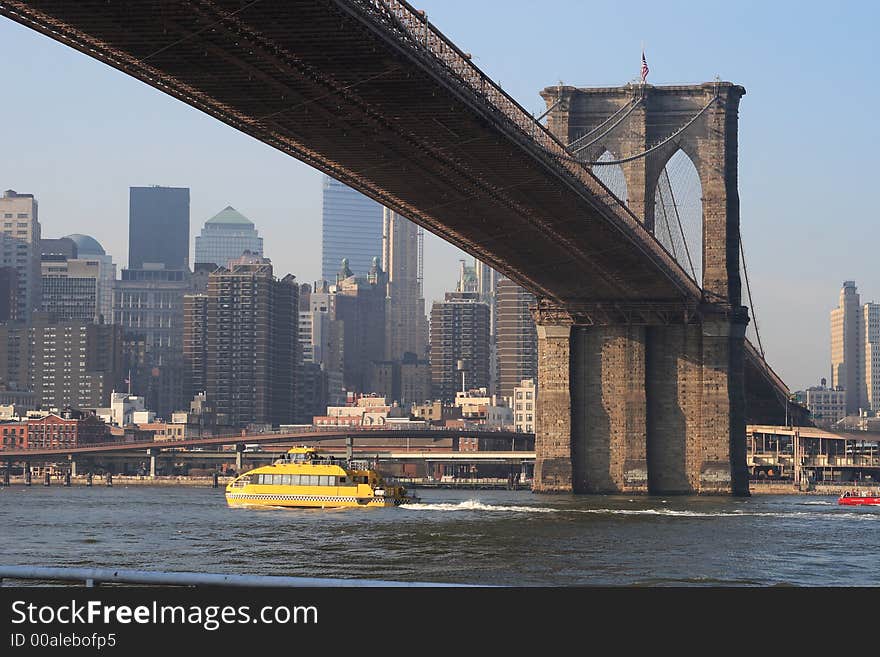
<point x="641" y="408"/>
<point x="553" y="435"/>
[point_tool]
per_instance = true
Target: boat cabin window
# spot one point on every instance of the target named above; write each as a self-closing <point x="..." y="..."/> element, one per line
<point x="295" y="480"/>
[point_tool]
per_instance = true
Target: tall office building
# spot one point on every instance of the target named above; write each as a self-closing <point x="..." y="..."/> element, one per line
<point x="89" y="249"/>
<point x="252" y="352"/>
<point x="869" y="357"/>
<point x="516" y="337"/>
<point x="360" y="306"/>
<point x="351" y="227"/>
<point x="195" y="343"/>
<point x="328" y="344"/>
<point x="20" y="250"/>
<point x="70" y="363"/>
<point x="70" y="288"/>
<point x="158" y="227"/>
<point x="8" y="293"/>
<point x="406" y="326"/>
<point x="460" y="350"/>
<point x="845" y="346"/>
<point x="148" y="304"/>
<point x="226" y="236"/>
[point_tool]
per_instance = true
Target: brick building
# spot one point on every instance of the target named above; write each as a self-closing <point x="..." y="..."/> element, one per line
<point x="70" y="429"/>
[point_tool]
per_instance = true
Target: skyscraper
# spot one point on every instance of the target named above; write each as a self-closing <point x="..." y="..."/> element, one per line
<point x="845" y="346"/>
<point x="70" y="288"/>
<point x="459" y="345"/>
<point x="351" y="227"/>
<point x="252" y="351"/>
<point x="148" y="303"/>
<point x="78" y="279"/>
<point x="406" y="327"/>
<point x="20" y="250"/>
<point x="360" y="306"/>
<point x="869" y="357"/>
<point x="69" y="363"/>
<point x="516" y="337"/>
<point x="158" y="227"/>
<point x="226" y="236"/>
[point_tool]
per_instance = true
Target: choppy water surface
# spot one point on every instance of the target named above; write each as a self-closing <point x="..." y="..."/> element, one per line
<point x="491" y="537"/>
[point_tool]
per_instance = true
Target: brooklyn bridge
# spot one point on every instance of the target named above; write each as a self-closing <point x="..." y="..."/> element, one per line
<point x="646" y="377"/>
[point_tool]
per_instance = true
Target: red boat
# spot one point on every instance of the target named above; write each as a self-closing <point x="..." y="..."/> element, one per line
<point x="858" y="498"/>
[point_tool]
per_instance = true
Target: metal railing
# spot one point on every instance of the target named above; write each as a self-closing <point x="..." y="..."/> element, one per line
<point x="412" y="27"/>
<point x="95" y="576"/>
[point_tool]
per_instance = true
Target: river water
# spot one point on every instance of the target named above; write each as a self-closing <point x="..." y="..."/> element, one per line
<point x="456" y="536"/>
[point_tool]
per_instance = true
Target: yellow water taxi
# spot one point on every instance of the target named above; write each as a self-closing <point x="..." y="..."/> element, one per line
<point x="303" y="477"/>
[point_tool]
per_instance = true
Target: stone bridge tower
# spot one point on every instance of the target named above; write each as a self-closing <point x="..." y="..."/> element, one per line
<point x="650" y="402"/>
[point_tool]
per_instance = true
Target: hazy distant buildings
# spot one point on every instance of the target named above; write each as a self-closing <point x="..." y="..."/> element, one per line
<point x="226" y="236"/>
<point x="69" y="363"/>
<point x="20" y="251"/>
<point x="827" y="405"/>
<point x="845" y="346"/>
<point x="195" y="343"/>
<point x="351" y="227"/>
<point x="158" y="227"/>
<point x="406" y="326"/>
<point x="90" y="250"/>
<point x="251" y="353"/>
<point x="148" y="304"/>
<point x="70" y="288"/>
<point x="460" y="350"/>
<point x="516" y="337"/>
<point x="326" y="335"/>
<point x="8" y="293"/>
<point x="855" y="350"/>
<point x="869" y="357"/>
<point x="360" y="306"/>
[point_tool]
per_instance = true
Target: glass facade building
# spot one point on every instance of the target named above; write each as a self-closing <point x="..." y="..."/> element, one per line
<point x="158" y="227"/>
<point x="226" y="236"/>
<point x="351" y="228"/>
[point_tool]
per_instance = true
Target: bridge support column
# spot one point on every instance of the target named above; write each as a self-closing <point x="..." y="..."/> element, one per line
<point x="696" y="408"/>
<point x="152" y="453"/>
<point x="674" y="382"/>
<point x="723" y="466"/>
<point x="72" y="465"/>
<point x="553" y="436"/>
<point x="239" y="450"/>
<point x="608" y="409"/>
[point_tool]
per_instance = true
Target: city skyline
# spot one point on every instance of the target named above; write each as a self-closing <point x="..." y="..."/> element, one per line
<point x="786" y="231"/>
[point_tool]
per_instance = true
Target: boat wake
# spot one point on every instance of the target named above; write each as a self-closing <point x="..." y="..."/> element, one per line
<point x="475" y="505"/>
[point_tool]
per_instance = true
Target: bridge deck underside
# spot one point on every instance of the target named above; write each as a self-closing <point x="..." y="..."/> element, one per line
<point x="331" y="87"/>
<point x="335" y="91"/>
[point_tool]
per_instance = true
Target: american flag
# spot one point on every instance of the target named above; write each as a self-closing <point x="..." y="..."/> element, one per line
<point x="645" y="68"/>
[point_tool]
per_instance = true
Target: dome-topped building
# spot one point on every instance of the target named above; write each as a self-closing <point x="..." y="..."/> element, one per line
<point x="86" y="245"/>
<point x="88" y="248"/>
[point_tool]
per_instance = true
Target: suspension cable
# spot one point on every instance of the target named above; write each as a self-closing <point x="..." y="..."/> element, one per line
<point x="687" y="251"/>
<point x="656" y="146"/>
<point x="606" y="132"/>
<point x="665" y="222"/>
<point x="548" y="110"/>
<point x="749" y="292"/>
<point x="575" y="144"/>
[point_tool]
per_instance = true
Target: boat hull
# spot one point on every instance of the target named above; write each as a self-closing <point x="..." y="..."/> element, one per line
<point x="859" y="501"/>
<point x="311" y="501"/>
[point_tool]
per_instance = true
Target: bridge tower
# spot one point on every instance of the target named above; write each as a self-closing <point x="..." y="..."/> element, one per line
<point x="641" y="401"/>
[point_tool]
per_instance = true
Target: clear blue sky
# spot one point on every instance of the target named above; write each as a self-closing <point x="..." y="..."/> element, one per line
<point x="77" y="134"/>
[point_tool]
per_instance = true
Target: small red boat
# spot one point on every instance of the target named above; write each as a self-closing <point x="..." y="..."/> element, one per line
<point x="858" y="498"/>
